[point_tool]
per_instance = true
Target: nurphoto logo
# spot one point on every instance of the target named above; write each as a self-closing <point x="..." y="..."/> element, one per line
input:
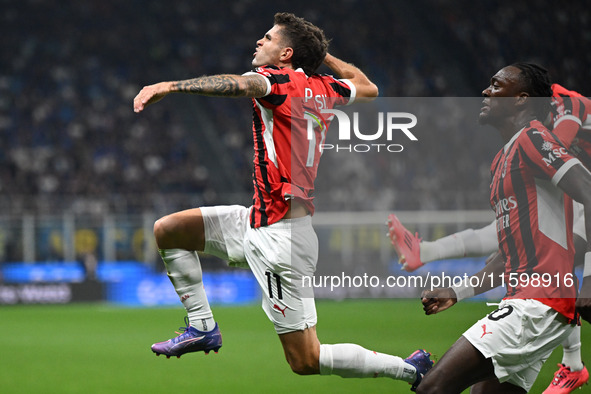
<point x="389" y="123"/>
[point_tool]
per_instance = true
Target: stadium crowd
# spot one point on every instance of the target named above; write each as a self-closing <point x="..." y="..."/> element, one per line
<point x="71" y="142"/>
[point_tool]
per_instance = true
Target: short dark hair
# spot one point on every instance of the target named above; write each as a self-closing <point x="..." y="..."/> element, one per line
<point x="536" y="82"/>
<point x="307" y="41"/>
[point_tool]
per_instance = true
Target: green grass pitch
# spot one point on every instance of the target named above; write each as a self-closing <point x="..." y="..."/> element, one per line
<point x="97" y="348"/>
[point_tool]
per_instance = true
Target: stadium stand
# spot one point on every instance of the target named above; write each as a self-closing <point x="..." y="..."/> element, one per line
<point x="70" y="142"/>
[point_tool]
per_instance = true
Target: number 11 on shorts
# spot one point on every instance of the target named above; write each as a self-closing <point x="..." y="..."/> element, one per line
<point x="270" y="277"/>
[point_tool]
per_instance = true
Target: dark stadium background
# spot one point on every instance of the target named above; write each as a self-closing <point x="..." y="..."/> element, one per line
<point x="82" y="177"/>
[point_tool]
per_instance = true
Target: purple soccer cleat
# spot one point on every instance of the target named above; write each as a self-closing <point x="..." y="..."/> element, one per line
<point x="190" y="340"/>
<point x="421" y="361"/>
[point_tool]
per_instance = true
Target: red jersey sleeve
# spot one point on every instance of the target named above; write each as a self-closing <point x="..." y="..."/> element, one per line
<point x="546" y="154"/>
<point x="280" y="86"/>
<point x="569" y="110"/>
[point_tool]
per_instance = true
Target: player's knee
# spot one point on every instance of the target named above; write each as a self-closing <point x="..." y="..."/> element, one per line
<point x="303" y="367"/>
<point x="304" y="362"/>
<point x="180" y="230"/>
<point x="161" y="228"/>
<point x="164" y="231"/>
<point x="431" y="384"/>
<point x="302" y="351"/>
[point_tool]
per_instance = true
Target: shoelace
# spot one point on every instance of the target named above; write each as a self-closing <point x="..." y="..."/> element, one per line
<point x="185" y="329"/>
<point x="559" y="376"/>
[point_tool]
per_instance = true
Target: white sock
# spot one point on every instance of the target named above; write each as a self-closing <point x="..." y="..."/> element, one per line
<point x="482" y="241"/>
<point x="451" y="246"/>
<point x="479" y="242"/>
<point x="571" y="350"/>
<point x="353" y="361"/>
<point x="184" y="270"/>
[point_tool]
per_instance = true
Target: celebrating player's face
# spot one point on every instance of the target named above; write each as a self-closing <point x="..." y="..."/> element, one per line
<point x="504" y="83"/>
<point x="269" y="48"/>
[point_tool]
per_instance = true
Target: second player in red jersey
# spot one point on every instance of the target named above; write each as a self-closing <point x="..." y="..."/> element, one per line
<point x="503" y="352"/>
<point x="533" y="218"/>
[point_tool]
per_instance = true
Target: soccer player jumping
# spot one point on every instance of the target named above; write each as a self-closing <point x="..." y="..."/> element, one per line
<point x="274" y="237"/>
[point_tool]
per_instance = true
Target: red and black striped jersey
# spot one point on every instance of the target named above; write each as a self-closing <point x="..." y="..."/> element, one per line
<point x="571" y="122"/>
<point x="286" y="156"/>
<point x="534" y="218"/>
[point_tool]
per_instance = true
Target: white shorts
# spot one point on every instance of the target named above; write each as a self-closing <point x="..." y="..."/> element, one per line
<point x="579" y="220"/>
<point x="279" y="255"/>
<point x="518" y="338"/>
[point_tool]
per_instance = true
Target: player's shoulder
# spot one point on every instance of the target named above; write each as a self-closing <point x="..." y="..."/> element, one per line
<point x="325" y="78"/>
<point x="332" y="85"/>
<point x="270" y="70"/>
<point x="321" y="76"/>
<point x="282" y="76"/>
<point x="534" y="131"/>
<point x="535" y="127"/>
<point x="275" y="70"/>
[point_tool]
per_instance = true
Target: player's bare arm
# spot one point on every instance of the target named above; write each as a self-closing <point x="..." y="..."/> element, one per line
<point x="364" y="87"/>
<point x="438" y="300"/>
<point x="226" y="85"/>
<point x="576" y="183"/>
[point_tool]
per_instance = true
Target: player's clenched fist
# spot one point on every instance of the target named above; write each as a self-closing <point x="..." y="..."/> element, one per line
<point x="438" y="300"/>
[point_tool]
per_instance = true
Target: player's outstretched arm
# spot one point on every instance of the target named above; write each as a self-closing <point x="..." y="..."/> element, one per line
<point x="226" y="85"/>
<point x="365" y="89"/>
